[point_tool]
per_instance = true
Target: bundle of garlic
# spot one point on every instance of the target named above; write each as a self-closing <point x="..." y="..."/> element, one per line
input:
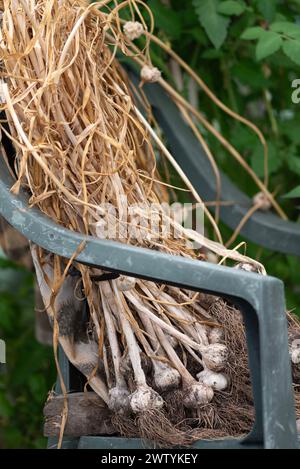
<point x="155" y="354"/>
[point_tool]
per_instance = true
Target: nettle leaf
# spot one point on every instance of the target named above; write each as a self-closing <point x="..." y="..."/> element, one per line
<point x="286" y="27"/>
<point x="294" y="194"/>
<point x="269" y="43"/>
<point x="232" y="8"/>
<point x="252" y="33"/>
<point x="291" y="48"/>
<point x="214" y="23"/>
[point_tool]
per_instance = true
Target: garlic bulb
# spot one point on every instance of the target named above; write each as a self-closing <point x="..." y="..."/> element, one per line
<point x="217" y="381"/>
<point x="145" y="398"/>
<point x="165" y="377"/>
<point x="150" y="74"/>
<point x="133" y="30"/>
<point x="119" y="400"/>
<point x="262" y="200"/>
<point x="196" y="395"/>
<point x="215" y="356"/>
<point x="295" y="356"/>
<point x="125" y="283"/>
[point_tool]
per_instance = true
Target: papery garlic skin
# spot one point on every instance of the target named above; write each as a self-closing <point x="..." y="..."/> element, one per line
<point x="197" y="394"/>
<point x="145" y="398"/>
<point x="262" y="200"/>
<point x="215" y="356"/>
<point x="217" y="381"/>
<point x="133" y="30"/>
<point x="295" y="356"/>
<point x="165" y="377"/>
<point x="150" y="74"/>
<point x="119" y="400"/>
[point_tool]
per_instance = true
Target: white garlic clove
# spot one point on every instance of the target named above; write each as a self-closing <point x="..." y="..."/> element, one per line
<point x="145" y="398"/>
<point x="217" y="381"/>
<point x="215" y="356"/>
<point x="125" y="283"/>
<point x="196" y="395"/>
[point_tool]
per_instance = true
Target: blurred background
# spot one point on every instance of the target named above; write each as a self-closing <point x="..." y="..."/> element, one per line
<point x="248" y="52"/>
<point x="30" y="371"/>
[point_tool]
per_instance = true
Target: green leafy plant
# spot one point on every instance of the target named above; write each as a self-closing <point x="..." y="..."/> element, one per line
<point x="30" y="372"/>
<point x="214" y="23"/>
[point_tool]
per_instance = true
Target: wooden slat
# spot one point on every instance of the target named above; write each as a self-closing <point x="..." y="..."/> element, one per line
<point x="87" y="415"/>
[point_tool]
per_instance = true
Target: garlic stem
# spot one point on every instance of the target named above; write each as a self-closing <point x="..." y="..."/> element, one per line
<point x="195" y="394"/>
<point x="112" y="336"/>
<point x="165" y="377"/>
<point x="144" y="398"/>
<point x="133" y="348"/>
<point x="170" y="329"/>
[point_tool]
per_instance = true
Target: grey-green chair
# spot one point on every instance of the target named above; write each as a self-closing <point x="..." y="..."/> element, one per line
<point x="260" y="299"/>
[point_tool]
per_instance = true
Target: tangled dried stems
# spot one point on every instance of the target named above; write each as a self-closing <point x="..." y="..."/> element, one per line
<point x="81" y="143"/>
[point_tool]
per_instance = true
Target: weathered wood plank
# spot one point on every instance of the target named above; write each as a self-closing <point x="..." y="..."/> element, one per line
<point x="87" y="415"/>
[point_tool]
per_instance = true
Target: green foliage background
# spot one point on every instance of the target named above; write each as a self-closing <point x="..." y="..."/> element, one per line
<point x="248" y="52"/>
<point x="249" y="55"/>
<point x="29" y="373"/>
